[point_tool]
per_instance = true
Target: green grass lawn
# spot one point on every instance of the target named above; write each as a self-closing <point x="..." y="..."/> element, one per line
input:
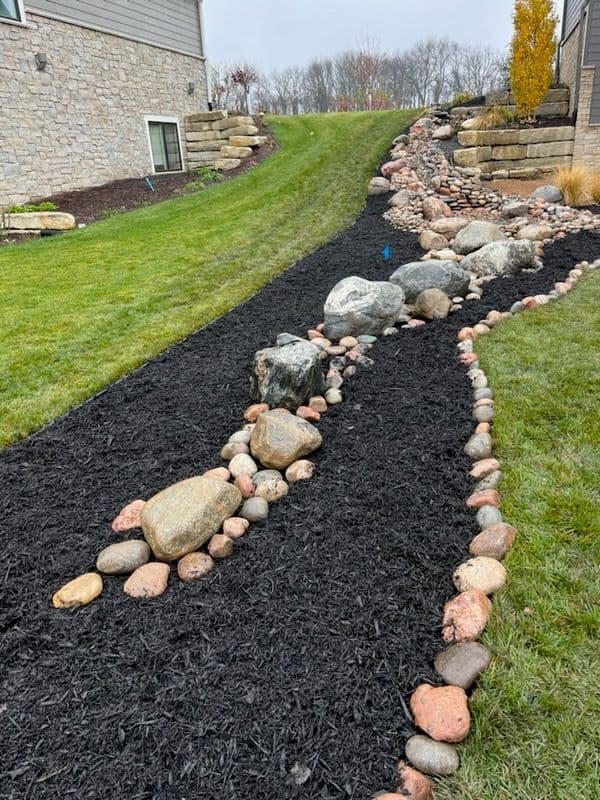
<point x="80" y="310"/>
<point x="536" y="731"/>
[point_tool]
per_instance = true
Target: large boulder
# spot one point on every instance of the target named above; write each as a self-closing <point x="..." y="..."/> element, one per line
<point x="417" y="276"/>
<point x="548" y="193"/>
<point x="40" y="220"/>
<point x="184" y="516"/>
<point x="287" y="376"/>
<point x="279" y="439"/>
<point x="477" y="234"/>
<point x="501" y="258"/>
<point x="356" y="306"/>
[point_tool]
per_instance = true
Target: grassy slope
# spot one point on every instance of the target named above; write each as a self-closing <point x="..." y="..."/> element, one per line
<point x="83" y="309"/>
<point x="536" y="733"/>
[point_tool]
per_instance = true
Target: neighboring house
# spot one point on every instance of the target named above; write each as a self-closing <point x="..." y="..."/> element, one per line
<point x="579" y="68"/>
<point x="92" y="92"/>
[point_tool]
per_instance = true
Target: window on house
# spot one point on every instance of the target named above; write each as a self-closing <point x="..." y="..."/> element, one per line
<point x="164" y="145"/>
<point x="11" y="9"/>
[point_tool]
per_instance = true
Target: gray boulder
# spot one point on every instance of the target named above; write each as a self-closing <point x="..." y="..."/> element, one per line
<point x="548" y="193"/>
<point x="517" y="208"/>
<point x="356" y="306"/>
<point x="401" y="198"/>
<point x="181" y="518"/>
<point x="501" y="258"/>
<point x="287" y="376"/>
<point x="476" y="234"/>
<point x="417" y="276"/>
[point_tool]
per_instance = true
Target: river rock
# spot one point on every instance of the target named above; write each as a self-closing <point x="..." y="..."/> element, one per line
<point x="431" y="757"/>
<point x="184" y="516"/>
<point x="441" y="712"/>
<point x="501" y="258"/>
<point x="465" y="616"/>
<point x="449" y="226"/>
<point x="378" y="186"/>
<point x="78" y="592"/>
<point x="272" y="490"/>
<point x="194" y="566"/>
<point x="299" y="471"/>
<point x="417" y="276"/>
<point x="433" y="304"/>
<point x="461" y="664"/>
<point x="128" y="517"/>
<point x="484" y="468"/>
<point x="148" y="581"/>
<point x="479" y="446"/>
<point x="220" y="546"/>
<point x="433" y="209"/>
<point x="242" y="465"/>
<point x="287" y="376"/>
<point x="485" y="574"/>
<point x="536" y="233"/>
<point x="429" y="240"/>
<point x="255" y="509"/>
<point x="356" y="306"/>
<point x="412" y="785"/>
<point x="516" y="208"/>
<point x="493" y="542"/>
<point x="280" y="439"/>
<point x="266" y="475"/>
<point x="123" y="557"/>
<point x="487" y="516"/>
<point x="443" y="133"/>
<point x="235" y="527"/>
<point x="476" y="235"/>
<point x="491" y="481"/>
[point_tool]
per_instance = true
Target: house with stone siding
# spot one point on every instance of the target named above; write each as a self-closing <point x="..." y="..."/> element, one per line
<point x="579" y="68"/>
<point x="95" y="91"/>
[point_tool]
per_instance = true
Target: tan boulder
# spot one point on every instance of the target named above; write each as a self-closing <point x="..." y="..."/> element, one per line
<point x="40" y="220"/>
<point x="280" y="439"/>
<point x="184" y="516"/>
<point x="247" y="141"/>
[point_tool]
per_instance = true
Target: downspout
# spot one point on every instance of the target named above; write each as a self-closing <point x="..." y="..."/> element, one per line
<point x="203" y="46"/>
<point x="583" y="32"/>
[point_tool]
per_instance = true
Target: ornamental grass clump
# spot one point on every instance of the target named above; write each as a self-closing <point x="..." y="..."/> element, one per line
<point x="532" y="52"/>
<point x="573" y="183"/>
<point x="594" y="186"/>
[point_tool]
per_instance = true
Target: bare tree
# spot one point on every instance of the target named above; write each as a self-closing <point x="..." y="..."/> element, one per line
<point x="243" y="76"/>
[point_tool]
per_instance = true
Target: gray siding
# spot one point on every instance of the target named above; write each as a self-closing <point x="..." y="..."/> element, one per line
<point x="174" y="24"/>
<point x="572" y="15"/>
<point x="591" y="57"/>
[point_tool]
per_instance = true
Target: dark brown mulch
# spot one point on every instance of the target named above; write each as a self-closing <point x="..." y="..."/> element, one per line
<point x="97" y="202"/>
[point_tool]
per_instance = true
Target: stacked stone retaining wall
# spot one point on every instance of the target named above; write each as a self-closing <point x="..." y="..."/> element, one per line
<point x="214" y="139"/>
<point x="520" y="153"/>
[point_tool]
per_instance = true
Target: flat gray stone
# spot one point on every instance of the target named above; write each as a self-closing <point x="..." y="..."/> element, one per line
<point x="461" y="664"/>
<point x="123" y="558"/>
<point x="417" y="276"/>
<point x="548" y="193"/>
<point x="255" y="509"/>
<point x="477" y="234"/>
<point x="431" y="757"/>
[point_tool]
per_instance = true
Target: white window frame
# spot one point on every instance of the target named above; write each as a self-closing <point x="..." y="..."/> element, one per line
<point x="22" y="21"/>
<point x="158" y="118"/>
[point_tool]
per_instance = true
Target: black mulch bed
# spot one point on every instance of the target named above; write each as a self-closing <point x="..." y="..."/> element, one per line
<point x="300" y="651"/>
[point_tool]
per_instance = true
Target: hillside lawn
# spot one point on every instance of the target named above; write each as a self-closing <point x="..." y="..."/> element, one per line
<point x="535" y="729"/>
<point x="83" y="309"/>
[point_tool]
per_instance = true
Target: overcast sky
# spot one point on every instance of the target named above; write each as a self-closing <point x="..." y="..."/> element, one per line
<point x="281" y="33"/>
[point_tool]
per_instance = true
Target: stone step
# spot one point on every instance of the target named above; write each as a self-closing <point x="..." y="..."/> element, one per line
<point x="205" y="136"/>
<point x="539" y="164"/>
<point x="227" y="163"/>
<point x="235" y="152"/>
<point x="247" y="141"/>
<point x="213" y="144"/>
<point x="504" y="136"/>
<point x="206" y="116"/>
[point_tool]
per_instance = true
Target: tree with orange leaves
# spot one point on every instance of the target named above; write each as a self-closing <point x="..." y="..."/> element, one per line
<point x="532" y="53"/>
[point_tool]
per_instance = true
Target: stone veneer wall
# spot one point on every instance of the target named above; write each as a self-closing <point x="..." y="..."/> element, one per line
<point x="519" y="153"/>
<point x="569" y="55"/>
<point x="587" y="137"/>
<point x="80" y="122"/>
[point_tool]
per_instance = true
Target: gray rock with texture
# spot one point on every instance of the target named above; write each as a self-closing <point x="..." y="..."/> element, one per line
<point x="431" y="757"/>
<point x="417" y="276"/>
<point x="549" y="193"/>
<point x="287" y="376"/>
<point x="488" y="516"/>
<point x="355" y="306"/>
<point x="501" y="258"/>
<point x="378" y="186"/>
<point x="476" y="235"/>
<point x="461" y="664"/>
<point x="516" y="208"/>
<point x="123" y="557"/>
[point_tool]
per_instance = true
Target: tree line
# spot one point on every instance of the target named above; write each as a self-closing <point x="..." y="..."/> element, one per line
<point x="433" y="71"/>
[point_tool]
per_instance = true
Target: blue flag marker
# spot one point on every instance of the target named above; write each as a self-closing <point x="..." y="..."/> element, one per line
<point x="386" y="252"/>
<point x="150" y="186"/>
